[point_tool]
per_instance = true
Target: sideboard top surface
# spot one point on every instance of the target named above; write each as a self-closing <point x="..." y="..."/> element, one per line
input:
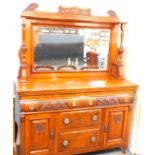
<point x="35" y="86"/>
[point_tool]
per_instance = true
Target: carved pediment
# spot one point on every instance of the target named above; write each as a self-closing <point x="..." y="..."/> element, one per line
<point x="74" y="11"/>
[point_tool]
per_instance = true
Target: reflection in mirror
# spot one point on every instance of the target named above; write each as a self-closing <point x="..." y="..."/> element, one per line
<point x="67" y="49"/>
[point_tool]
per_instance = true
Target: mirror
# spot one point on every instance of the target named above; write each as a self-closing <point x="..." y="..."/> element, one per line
<point x="70" y="49"/>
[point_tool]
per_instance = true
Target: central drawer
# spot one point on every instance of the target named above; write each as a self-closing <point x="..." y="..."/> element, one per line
<point x="80" y="119"/>
<point x="78" y="139"/>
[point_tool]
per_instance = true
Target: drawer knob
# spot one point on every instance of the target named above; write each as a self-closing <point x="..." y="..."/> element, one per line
<point x="94" y="118"/>
<point x="73" y="103"/>
<point x="66" y="121"/>
<point x="65" y="143"/>
<point x="93" y="139"/>
<point x="90" y="102"/>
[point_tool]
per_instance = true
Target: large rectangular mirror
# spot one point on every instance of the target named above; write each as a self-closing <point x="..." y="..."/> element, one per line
<point x="70" y="49"/>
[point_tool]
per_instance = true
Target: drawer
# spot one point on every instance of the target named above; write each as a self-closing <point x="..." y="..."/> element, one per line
<point x="80" y="119"/>
<point x="78" y="140"/>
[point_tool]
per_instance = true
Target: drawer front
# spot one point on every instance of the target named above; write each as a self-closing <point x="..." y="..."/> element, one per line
<point x="78" y="140"/>
<point x="80" y="119"/>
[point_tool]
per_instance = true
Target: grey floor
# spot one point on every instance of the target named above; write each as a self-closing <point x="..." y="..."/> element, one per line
<point x="106" y="152"/>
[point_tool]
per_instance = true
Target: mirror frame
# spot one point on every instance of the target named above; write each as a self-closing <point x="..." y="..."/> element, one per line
<point x="84" y="35"/>
<point x="76" y="18"/>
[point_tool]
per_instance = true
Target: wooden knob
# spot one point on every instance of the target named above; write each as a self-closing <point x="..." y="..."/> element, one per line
<point x="65" y="143"/>
<point x="94" y="118"/>
<point x="93" y="139"/>
<point x="66" y="121"/>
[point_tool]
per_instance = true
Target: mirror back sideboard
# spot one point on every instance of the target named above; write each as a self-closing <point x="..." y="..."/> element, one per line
<point x="71" y="90"/>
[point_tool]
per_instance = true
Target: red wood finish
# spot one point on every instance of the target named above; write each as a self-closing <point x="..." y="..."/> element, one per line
<point x="73" y="112"/>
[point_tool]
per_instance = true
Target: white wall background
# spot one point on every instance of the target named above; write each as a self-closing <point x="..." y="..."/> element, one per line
<point x="140" y="61"/>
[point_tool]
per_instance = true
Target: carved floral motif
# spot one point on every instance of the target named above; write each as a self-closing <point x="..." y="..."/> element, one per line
<point x="39" y="128"/>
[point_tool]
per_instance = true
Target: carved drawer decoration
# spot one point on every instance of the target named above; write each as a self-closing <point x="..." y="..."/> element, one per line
<point x="44" y="105"/>
<point x="78" y="139"/>
<point x="114" y="100"/>
<point x="79" y="119"/>
<point x="109" y="100"/>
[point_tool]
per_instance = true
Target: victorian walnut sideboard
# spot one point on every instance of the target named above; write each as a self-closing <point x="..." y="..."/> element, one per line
<point x="72" y="94"/>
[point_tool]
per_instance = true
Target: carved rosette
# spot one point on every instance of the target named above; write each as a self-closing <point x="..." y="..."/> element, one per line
<point x="23" y="70"/>
<point x="39" y="128"/>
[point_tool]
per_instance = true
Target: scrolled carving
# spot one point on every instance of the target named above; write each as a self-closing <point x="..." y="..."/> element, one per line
<point x="74" y="11"/>
<point x="23" y="70"/>
<point x="112" y="13"/>
<point x="31" y="7"/>
<point x="51" y="105"/>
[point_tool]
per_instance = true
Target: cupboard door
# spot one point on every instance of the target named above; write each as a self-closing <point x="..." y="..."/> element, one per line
<point x="38" y="130"/>
<point x="115" y="126"/>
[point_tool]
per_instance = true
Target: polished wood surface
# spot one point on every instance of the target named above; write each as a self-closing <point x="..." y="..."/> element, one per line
<point x="73" y="112"/>
<point x="54" y="85"/>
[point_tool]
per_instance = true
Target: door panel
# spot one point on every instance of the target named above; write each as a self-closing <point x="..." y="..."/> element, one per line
<point x="115" y="123"/>
<point x="38" y="129"/>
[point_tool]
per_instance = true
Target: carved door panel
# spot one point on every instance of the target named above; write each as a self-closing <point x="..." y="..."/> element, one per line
<point x="39" y="134"/>
<point x="115" y="126"/>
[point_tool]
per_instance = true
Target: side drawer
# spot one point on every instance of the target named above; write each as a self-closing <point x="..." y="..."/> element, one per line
<point x="80" y="119"/>
<point x="78" y="140"/>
